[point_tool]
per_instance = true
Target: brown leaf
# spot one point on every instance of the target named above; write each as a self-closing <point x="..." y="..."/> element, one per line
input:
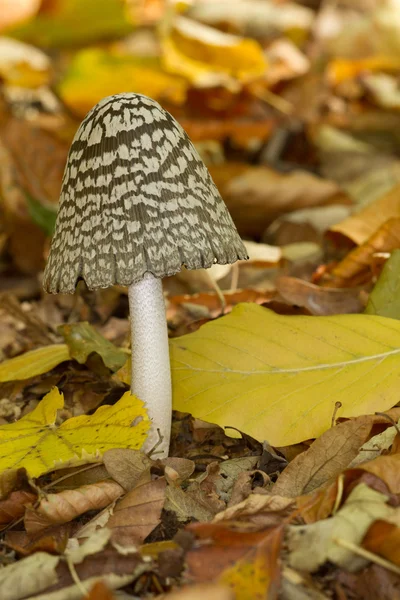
<point x="67" y="505"/>
<point x="383" y="538"/>
<point x="53" y="540"/>
<point x="332" y="452"/>
<point x="357" y="265"/>
<point x="258" y="511"/>
<point x="361" y="226"/>
<point x="318" y="300"/>
<point x="246" y="561"/>
<point x="100" y="591"/>
<point x="138" y="513"/>
<point x="126" y="466"/>
<point x="257" y="195"/>
<point x="14" y="506"/>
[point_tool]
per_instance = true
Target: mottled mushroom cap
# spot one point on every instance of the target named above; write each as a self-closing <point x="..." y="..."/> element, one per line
<point x="135" y="198"/>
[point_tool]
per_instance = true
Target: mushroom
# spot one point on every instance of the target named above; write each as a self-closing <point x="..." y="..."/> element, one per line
<point x="137" y="203"/>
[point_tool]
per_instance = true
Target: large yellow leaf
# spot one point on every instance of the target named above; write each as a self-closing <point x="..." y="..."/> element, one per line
<point x="278" y="377"/>
<point x="33" y="363"/>
<point x="36" y="443"/>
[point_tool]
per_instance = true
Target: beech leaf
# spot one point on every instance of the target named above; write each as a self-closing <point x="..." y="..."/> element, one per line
<point x="36" y="443"/>
<point x="277" y="378"/>
<point x="33" y="363"/>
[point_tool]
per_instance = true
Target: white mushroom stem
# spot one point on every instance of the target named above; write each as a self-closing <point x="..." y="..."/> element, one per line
<point x="151" y="372"/>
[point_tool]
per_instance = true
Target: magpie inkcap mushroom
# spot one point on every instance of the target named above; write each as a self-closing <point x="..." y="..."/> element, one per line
<point x="137" y="203"/>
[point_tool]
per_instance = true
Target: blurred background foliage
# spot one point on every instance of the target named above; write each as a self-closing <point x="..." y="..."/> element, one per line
<point x="293" y="105"/>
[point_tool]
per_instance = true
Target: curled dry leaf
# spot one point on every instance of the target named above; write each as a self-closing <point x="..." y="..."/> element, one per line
<point x="211" y="591"/>
<point x="258" y="510"/>
<point x="318" y="300"/>
<point x="362" y="225"/>
<point x="138" y="513"/>
<point x="67" y="505"/>
<point x="356" y="266"/>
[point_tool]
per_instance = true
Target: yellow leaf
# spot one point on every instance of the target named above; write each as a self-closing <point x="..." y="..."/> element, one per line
<point x="95" y="73"/>
<point x="208" y="57"/>
<point x="35" y="362"/>
<point x="278" y="378"/>
<point x="37" y="444"/>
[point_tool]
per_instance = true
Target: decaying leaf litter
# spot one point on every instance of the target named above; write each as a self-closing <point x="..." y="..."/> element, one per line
<point x="294" y="352"/>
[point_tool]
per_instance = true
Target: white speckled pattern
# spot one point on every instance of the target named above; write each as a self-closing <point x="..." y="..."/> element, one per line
<point x="135" y="198"/>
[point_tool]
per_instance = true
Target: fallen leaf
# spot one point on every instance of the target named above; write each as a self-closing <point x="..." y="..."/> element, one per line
<point x="82" y="340"/>
<point x="57" y="509"/>
<point x="29" y="576"/>
<point x="362" y="225"/>
<point x="14" y="506"/>
<point x="257" y="195"/>
<point x="318" y="300"/>
<point x="186" y="506"/>
<point x="35" y="443"/>
<point x="384" y="298"/>
<point x="126" y="466"/>
<point x="208" y="57"/>
<point x="72" y="22"/>
<point x="357" y="265"/>
<point x="326" y="458"/>
<point x="278" y="377"/>
<point x="362" y="507"/>
<point x="23" y="65"/>
<point x="100" y="591"/>
<point x="383" y="538"/>
<point x="258" y="510"/>
<point x="33" y="363"/>
<point x="138" y="513"/>
<point x="95" y="73"/>
<point x="245" y="561"/>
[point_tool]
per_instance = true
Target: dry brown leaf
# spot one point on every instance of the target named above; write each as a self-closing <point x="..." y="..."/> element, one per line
<point x="100" y="591"/>
<point x="387" y="468"/>
<point x="256" y="196"/>
<point x="332" y="452"/>
<point x="258" y="510"/>
<point x="357" y="265"/>
<point x="361" y="226"/>
<point x="318" y="300"/>
<point x="383" y="538"/>
<point x="66" y="506"/>
<point x="138" y="513"/>
<point x="14" y="506"/>
<point x="127" y="466"/>
<point x="37" y="173"/>
<point x="53" y="540"/>
<point x="246" y="561"/>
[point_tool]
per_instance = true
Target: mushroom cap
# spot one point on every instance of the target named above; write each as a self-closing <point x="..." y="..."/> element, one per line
<point x="135" y="198"/>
